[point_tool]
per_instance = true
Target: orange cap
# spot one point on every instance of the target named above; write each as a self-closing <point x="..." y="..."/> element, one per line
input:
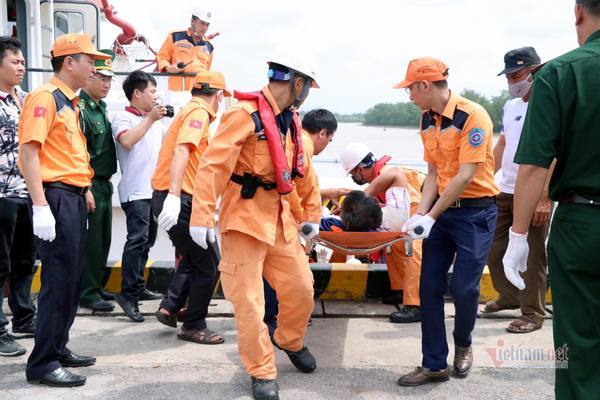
<point x="423" y="69"/>
<point x="213" y="79"/>
<point x="75" y="43"/>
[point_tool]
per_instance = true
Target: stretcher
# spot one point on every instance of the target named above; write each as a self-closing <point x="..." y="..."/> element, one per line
<point x="362" y="243"/>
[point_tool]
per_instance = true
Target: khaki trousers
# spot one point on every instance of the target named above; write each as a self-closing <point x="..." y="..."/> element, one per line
<point x="532" y="300"/>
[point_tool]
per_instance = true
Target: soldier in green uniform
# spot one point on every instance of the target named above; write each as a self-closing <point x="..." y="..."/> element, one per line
<point x="103" y="158"/>
<point x="563" y="122"/>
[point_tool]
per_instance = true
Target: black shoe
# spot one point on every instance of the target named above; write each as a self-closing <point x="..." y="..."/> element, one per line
<point x="302" y="359"/>
<point x="100" y="306"/>
<point x="130" y="308"/>
<point x="265" y="389"/>
<point x="168" y="320"/>
<point x="60" y="377"/>
<point x="407" y="314"/>
<point x="393" y="297"/>
<point x="106" y="296"/>
<point x="26" y="330"/>
<point x="74" y="360"/>
<point x="9" y="347"/>
<point x="149" y="295"/>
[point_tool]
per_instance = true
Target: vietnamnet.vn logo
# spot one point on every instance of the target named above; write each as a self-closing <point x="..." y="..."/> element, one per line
<point x="520" y="356"/>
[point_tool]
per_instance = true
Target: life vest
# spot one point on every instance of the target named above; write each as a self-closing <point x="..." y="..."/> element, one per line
<point x="379" y="164"/>
<point x="283" y="173"/>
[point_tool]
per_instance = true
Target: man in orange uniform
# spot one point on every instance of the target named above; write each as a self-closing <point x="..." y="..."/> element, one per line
<point x="56" y="167"/>
<point x="456" y="215"/>
<point x="188" y="51"/>
<point x="396" y="188"/>
<point x="318" y="128"/>
<point x="248" y="163"/>
<point x="173" y="185"/>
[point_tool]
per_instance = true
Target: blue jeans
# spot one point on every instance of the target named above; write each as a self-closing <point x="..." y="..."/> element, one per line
<point x="464" y="235"/>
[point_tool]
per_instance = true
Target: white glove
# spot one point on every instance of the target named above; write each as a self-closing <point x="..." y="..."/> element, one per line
<point x="308" y="230"/>
<point x="323" y="253"/>
<point x="352" y="260"/>
<point x="200" y="234"/>
<point x="170" y="212"/>
<point x="409" y="221"/>
<point x="515" y="258"/>
<point x="424" y="223"/>
<point x="44" y="223"/>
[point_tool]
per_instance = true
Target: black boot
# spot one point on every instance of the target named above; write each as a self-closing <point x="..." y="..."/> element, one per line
<point x="265" y="389"/>
<point x="302" y="359"/>
<point x="406" y="314"/>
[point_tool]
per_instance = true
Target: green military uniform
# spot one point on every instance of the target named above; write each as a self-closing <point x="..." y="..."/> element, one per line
<point x="103" y="159"/>
<point x="563" y="122"/>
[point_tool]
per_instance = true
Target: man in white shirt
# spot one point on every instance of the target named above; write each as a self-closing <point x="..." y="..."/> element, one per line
<point x="519" y="64"/>
<point x="138" y="136"/>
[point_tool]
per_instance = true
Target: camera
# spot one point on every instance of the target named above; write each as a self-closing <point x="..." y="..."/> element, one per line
<point x="170" y="111"/>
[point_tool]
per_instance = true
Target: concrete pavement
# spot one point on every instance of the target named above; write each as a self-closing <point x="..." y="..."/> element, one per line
<point x="360" y="356"/>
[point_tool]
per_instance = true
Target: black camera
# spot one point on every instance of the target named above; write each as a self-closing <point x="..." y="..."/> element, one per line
<point x="170" y="111"/>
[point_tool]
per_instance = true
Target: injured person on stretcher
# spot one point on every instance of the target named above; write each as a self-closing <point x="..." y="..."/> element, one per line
<point x="360" y="212"/>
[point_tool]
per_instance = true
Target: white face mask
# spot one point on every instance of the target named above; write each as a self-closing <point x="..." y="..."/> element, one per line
<point x="519" y="89"/>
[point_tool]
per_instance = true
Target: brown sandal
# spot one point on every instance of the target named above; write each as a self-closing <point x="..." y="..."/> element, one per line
<point x="493" y="306"/>
<point x="523" y="325"/>
<point x="202" y="336"/>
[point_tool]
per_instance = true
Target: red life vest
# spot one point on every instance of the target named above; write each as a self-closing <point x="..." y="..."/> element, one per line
<point x="283" y="173"/>
<point x="379" y="164"/>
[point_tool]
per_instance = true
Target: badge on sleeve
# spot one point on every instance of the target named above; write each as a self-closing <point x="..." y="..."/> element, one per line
<point x="195" y="123"/>
<point x="39" y="112"/>
<point x="476" y="137"/>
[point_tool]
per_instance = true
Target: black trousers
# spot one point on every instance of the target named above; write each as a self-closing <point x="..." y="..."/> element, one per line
<point x="141" y="235"/>
<point x="197" y="269"/>
<point x="17" y="258"/>
<point x="62" y="267"/>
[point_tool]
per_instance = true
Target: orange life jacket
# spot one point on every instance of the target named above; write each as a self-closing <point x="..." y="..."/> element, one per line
<point x="283" y="173"/>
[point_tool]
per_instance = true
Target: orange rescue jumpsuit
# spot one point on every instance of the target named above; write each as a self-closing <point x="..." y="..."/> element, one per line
<point x="259" y="236"/>
<point x="405" y="272"/>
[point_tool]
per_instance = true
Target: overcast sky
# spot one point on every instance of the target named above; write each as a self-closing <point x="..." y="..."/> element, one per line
<point x="362" y="47"/>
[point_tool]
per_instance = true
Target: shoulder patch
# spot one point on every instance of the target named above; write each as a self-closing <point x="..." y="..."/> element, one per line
<point x="476" y="136"/>
<point x="196" y="123"/>
<point x="39" y="112"/>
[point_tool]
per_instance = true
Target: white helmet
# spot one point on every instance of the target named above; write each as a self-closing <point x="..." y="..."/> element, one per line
<point x="353" y="154"/>
<point x="301" y="65"/>
<point x="202" y="15"/>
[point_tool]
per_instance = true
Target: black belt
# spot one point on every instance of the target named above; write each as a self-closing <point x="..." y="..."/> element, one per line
<point x="241" y="180"/>
<point x="576" y="199"/>
<point x="250" y="184"/>
<point x="476" y="202"/>
<point x="73" y="189"/>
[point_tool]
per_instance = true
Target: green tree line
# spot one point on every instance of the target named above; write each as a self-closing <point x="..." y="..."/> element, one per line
<point x="407" y="114"/>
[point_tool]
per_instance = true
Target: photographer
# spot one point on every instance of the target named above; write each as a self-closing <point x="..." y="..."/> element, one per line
<point x="138" y="139"/>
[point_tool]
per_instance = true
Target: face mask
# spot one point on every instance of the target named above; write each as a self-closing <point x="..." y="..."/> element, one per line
<point x="357" y="181"/>
<point x="519" y="89"/>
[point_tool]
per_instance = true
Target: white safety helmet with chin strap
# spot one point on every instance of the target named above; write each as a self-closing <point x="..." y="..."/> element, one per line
<point x="300" y="66"/>
<point x="353" y="154"/>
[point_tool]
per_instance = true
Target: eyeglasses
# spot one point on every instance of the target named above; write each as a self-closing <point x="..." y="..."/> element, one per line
<point x="411" y="87"/>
